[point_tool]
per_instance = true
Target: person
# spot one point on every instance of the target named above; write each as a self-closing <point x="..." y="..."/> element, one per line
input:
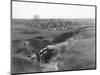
<point x="46" y="54"/>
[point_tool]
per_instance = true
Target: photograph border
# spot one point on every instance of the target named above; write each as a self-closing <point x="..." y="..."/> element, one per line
<point x="59" y="4"/>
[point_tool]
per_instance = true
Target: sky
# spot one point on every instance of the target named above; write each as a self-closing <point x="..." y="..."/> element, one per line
<point x="27" y="10"/>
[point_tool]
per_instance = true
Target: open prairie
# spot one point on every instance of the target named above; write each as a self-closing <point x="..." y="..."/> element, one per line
<point x="79" y="54"/>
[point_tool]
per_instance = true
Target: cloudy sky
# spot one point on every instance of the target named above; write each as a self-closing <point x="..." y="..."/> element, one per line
<point x="28" y="10"/>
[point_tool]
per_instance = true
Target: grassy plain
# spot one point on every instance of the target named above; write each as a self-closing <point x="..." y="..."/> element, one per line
<point x="78" y="55"/>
